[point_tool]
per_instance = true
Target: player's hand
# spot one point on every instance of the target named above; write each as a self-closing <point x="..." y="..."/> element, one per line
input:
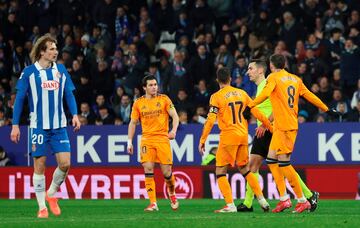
<point x="202" y="148"/>
<point x="76" y="123"/>
<point x="130" y="148"/>
<point x="172" y="135"/>
<point x="333" y="113"/>
<point x="247" y="113"/>
<point x="260" y="131"/>
<point x="15" y="134"/>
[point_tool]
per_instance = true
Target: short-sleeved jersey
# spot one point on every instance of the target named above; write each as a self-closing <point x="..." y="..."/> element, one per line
<point x="228" y="103"/>
<point x="45" y="89"/>
<point x="284" y="89"/>
<point x="153" y="114"/>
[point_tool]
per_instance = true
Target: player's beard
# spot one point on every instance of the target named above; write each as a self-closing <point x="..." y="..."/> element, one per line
<point x="153" y="92"/>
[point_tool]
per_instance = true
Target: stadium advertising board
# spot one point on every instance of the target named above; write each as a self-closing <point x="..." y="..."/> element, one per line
<point x="101" y="183"/>
<point x="191" y="182"/>
<point x="317" y="144"/>
<point x="338" y="183"/>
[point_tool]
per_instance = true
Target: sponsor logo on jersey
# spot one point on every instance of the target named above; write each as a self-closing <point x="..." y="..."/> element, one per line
<point x="50" y="85"/>
<point x="184" y="187"/>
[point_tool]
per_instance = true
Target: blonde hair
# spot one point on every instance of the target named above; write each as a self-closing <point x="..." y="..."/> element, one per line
<point x="40" y="45"/>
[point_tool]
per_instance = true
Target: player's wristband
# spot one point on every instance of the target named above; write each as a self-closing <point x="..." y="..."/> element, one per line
<point x="129" y="142"/>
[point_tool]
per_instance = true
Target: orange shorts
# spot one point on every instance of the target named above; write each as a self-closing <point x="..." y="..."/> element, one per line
<point x="283" y="141"/>
<point x="232" y="154"/>
<point x="159" y="152"/>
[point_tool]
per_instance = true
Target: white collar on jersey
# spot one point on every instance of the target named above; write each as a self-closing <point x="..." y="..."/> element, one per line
<point x="38" y="67"/>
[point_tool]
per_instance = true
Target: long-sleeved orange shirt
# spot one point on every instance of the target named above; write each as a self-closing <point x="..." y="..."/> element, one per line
<point x="227" y="105"/>
<point x="284" y="90"/>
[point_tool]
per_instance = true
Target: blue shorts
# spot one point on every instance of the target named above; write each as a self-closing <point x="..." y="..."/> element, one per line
<point x="41" y="140"/>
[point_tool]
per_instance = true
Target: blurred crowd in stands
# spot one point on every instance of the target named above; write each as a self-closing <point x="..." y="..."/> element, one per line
<point x="108" y="45"/>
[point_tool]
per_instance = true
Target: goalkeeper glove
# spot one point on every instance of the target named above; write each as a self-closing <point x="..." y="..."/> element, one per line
<point x="247" y="113"/>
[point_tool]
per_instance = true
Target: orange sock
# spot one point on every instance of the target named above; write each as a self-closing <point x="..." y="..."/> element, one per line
<point x="225" y="188"/>
<point x="170" y="183"/>
<point x="150" y="187"/>
<point x="278" y="175"/>
<point x="254" y="184"/>
<point x="289" y="172"/>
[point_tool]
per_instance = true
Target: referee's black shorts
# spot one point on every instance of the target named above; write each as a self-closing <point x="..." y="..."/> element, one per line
<point x="261" y="145"/>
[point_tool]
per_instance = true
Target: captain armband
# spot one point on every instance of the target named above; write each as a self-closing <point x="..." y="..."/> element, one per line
<point x="214" y="110"/>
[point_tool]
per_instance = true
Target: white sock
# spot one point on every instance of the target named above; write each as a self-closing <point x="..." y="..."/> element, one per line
<point x="284" y="198"/>
<point x="39" y="187"/>
<point x="262" y="201"/>
<point x="231" y="204"/>
<point x="302" y="200"/>
<point x="58" y="179"/>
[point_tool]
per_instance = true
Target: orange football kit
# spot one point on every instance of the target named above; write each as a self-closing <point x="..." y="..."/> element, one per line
<point x="154" y="118"/>
<point x="284" y="90"/>
<point x="227" y="105"/>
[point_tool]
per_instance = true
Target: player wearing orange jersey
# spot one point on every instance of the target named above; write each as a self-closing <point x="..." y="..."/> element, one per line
<point x="227" y="106"/>
<point x="284" y="90"/>
<point x="261" y="143"/>
<point x="152" y="111"/>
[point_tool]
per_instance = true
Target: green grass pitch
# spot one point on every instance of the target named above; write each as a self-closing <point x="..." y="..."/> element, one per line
<point x="191" y="214"/>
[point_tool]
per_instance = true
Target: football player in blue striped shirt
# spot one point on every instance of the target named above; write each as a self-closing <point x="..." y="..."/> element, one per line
<point x="46" y="83"/>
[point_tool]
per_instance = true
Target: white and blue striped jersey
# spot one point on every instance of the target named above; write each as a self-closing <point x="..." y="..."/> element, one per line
<point x="45" y="89"/>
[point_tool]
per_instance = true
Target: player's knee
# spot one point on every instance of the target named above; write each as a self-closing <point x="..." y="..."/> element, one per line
<point x="166" y="170"/>
<point x="167" y="175"/>
<point x="253" y="168"/>
<point x="284" y="157"/>
<point x="148" y="169"/>
<point x="39" y="169"/>
<point x="64" y="166"/>
<point x="244" y="170"/>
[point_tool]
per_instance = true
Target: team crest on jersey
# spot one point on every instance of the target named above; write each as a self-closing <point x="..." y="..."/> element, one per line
<point x="143" y="107"/>
<point x="33" y="148"/>
<point x="50" y="85"/>
<point x="158" y="105"/>
<point x="58" y="74"/>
